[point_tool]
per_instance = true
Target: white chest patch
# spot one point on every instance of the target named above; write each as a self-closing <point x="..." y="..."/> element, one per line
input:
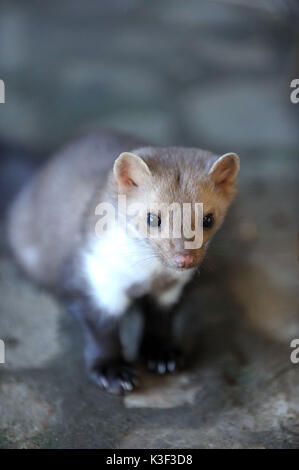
<point x="115" y="263"/>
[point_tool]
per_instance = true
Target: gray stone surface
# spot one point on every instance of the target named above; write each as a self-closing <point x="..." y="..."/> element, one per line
<point x="211" y="75"/>
<point x="34" y="339"/>
<point x="242" y="112"/>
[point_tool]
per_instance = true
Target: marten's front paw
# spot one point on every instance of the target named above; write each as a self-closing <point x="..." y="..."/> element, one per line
<point x="115" y="377"/>
<point x="163" y="359"/>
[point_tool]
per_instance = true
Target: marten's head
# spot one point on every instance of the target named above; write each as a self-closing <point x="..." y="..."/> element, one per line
<point x="164" y="188"/>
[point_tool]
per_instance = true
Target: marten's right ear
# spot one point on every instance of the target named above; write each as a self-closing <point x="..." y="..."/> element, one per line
<point x="130" y="170"/>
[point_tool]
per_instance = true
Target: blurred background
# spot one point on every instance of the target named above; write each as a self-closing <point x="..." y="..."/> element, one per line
<point x="212" y="74"/>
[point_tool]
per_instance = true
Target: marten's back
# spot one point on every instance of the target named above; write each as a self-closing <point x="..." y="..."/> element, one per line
<point x="44" y="222"/>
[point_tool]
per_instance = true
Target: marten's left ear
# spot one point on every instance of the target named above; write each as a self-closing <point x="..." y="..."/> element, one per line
<point x="225" y="169"/>
<point x="130" y="170"/>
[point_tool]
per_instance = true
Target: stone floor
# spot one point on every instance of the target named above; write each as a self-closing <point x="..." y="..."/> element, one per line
<point x="212" y="75"/>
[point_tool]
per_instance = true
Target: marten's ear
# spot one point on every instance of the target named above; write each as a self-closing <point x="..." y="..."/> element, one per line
<point x="225" y="169"/>
<point x="130" y="170"/>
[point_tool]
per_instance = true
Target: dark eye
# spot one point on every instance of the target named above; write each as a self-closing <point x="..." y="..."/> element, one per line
<point x="208" y="221"/>
<point x="153" y="220"/>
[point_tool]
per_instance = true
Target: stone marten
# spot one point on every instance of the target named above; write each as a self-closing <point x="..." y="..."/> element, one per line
<point x="52" y="232"/>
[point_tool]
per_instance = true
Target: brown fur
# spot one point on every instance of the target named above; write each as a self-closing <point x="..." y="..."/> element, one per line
<point x="50" y="219"/>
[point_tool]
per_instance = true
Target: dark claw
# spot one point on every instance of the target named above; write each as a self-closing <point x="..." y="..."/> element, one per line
<point x="163" y="360"/>
<point x="115" y="377"/>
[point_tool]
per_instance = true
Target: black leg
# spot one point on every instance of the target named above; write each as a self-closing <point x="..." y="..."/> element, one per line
<point x="158" y="348"/>
<point x="103" y="351"/>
